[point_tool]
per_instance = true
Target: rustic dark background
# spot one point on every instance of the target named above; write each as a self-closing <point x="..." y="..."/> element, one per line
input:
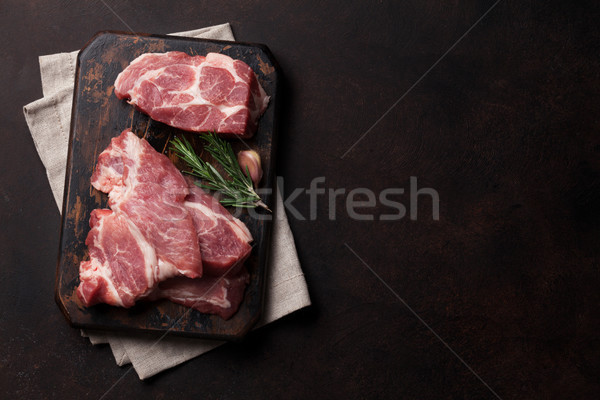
<point x="505" y="128"/>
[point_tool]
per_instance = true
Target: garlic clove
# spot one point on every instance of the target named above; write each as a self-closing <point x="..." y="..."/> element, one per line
<point x="251" y="160"/>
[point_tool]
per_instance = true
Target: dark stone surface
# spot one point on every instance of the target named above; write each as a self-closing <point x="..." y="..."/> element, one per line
<point x="505" y="128"/>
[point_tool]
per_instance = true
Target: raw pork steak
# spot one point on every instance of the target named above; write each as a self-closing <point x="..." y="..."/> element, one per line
<point x="210" y="295"/>
<point x="147" y="188"/>
<point x="224" y="240"/>
<point x="122" y="266"/>
<point x="148" y="245"/>
<point x="195" y="93"/>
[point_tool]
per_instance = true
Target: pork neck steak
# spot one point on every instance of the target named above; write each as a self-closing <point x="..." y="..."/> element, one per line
<point x="223" y="239"/>
<point x="149" y="244"/>
<point x="212" y="295"/>
<point x="144" y="186"/>
<point x="195" y="93"/>
<point x="122" y="266"/>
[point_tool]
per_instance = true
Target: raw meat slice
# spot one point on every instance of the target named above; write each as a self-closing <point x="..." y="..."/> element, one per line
<point x="224" y="240"/>
<point x="122" y="266"/>
<point x="195" y="93"/>
<point x="147" y="188"/>
<point x="212" y="295"/>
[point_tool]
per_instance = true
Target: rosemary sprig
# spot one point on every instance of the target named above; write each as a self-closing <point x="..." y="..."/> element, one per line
<point x="236" y="192"/>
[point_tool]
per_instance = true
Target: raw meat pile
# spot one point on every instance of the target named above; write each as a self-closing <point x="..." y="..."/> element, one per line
<point x="163" y="237"/>
<point x="195" y="93"/>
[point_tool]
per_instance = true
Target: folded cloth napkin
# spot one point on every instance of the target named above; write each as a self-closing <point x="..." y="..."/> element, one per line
<point x="49" y="120"/>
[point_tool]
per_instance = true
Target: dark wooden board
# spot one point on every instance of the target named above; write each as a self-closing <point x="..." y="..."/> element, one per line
<point x="97" y="117"/>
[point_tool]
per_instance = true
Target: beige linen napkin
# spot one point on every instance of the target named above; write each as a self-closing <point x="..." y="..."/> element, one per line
<point x="49" y="120"/>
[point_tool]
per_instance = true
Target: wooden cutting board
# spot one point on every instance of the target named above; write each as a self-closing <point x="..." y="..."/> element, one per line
<point x="97" y="117"/>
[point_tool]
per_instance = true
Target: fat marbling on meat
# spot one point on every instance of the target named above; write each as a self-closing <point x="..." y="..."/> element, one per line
<point x="156" y="235"/>
<point x="122" y="267"/>
<point x="224" y="240"/>
<point x="149" y="190"/>
<point x="195" y="93"/>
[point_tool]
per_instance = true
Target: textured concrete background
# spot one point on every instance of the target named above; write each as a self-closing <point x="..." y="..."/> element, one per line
<point x="497" y="298"/>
